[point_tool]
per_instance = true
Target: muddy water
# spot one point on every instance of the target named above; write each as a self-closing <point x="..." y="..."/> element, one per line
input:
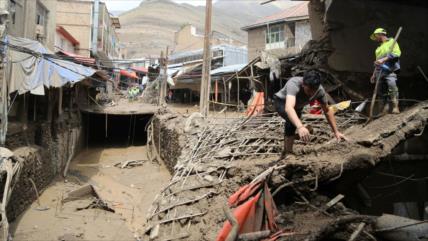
<point x="128" y="191"/>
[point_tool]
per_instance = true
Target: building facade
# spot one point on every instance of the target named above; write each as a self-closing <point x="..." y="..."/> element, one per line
<point x="76" y="17"/>
<point x="64" y="41"/>
<point x="222" y="55"/>
<point x="34" y="19"/>
<point x="283" y="33"/>
<point x="188" y="38"/>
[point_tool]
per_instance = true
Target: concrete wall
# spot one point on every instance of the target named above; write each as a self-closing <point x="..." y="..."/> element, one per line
<point x="297" y="33"/>
<point x="108" y="41"/>
<point x="169" y="138"/>
<point x="303" y="33"/>
<point x="25" y="21"/>
<point x="61" y="43"/>
<point x="187" y="39"/>
<point x="44" y="150"/>
<point x="350" y="24"/>
<point x="256" y="42"/>
<point x="16" y="26"/>
<point x="35" y="165"/>
<point x="51" y="23"/>
<point x="76" y="18"/>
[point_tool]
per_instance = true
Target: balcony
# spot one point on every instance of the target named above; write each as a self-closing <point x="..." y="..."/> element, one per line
<point x="288" y="43"/>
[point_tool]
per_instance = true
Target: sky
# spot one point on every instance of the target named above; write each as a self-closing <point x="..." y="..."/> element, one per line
<point x="124" y="5"/>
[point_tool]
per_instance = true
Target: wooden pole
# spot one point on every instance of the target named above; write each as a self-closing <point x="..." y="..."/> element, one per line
<point x="206" y="67"/>
<point x="216" y="91"/>
<point x="165" y="77"/>
<point x="161" y="95"/>
<point x="237" y="89"/>
<point x="4" y="7"/>
<point x="223" y="96"/>
<point x="252" y="77"/>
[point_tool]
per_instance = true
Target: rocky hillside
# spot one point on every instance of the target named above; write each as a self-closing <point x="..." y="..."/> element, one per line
<point x="149" y="28"/>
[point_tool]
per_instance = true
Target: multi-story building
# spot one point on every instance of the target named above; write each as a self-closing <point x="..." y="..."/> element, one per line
<point x="189" y="64"/>
<point x="77" y="18"/>
<point x="34" y="19"/>
<point x="283" y="33"/>
<point x="64" y="41"/>
<point x="188" y="38"/>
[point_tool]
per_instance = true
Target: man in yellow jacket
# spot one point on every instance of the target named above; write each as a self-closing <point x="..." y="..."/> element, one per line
<point x="387" y="65"/>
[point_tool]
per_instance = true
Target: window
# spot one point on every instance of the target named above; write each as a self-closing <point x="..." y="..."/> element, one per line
<point x="275" y="34"/>
<point x="41" y="22"/>
<point x="13" y="11"/>
<point x="41" y="14"/>
<point x="217" y="53"/>
<point x="62" y="43"/>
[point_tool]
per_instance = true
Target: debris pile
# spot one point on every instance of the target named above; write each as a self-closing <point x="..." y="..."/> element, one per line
<point x="10" y="169"/>
<point x="151" y="92"/>
<point x="222" y="154"/>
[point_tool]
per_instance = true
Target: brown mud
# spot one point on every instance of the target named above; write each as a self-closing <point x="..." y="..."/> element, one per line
<point x="214" y="164"/>
<point x="127" y="191"/>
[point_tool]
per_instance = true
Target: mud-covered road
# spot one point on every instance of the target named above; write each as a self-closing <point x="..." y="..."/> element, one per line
<point x="128" y="191"/>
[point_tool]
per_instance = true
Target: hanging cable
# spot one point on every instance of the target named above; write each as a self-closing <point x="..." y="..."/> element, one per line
<point x="51" y="57"/>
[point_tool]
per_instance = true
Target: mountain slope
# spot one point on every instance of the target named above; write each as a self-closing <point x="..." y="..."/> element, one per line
<point x="149" y="28"/>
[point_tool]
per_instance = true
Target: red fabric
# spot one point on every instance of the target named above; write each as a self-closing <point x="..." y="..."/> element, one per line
<point x="270" y="207"/>
<point x="79" y="58"/>
<point x="140" y="69"/>
<point x="240" y="214"/>
<point x="257" y="105"/>
<point x="279" y="234"/>
<point x="243" y="193"/>
<point x="315" y="108"/>
<point x="255" y="212"/>
<point x="129" y="74"/>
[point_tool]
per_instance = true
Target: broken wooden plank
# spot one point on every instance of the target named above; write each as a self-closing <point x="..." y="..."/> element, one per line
<point x="334" y="201"/>
<point x="357" y="232"/>
<point x="129" y="163"/>
<point x="254" y="236"/>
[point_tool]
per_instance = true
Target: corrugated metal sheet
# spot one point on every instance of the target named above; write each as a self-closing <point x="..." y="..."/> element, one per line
<point x="300" y="11"/>
<point x="232" y="54"/>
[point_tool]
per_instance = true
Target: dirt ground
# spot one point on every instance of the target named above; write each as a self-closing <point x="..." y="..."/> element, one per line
<point x="128" y="191"/>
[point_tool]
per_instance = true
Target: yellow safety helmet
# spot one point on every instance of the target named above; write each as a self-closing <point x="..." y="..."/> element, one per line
<point x="377" y="31"/>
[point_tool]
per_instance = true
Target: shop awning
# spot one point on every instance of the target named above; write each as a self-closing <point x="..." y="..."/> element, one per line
<point x="129" y="74"/>
<point x="228" y="69"/>
<point x="140" y="69"/>
<point x="77" y="58"/>
<point x="32" y="73"/>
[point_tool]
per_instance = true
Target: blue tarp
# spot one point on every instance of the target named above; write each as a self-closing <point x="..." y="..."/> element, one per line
<point x="30" y="73"/>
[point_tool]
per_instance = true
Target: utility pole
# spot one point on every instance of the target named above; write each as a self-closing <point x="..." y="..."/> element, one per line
<point x="164" y="79"/>
<point x="4" y="18"/>
<point x="160" y="77"/>
<point x="206" y="67"/>
<point x="95" y="26"/>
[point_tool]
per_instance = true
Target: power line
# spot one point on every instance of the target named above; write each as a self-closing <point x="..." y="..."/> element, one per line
<point x="51" y="57"/>
<point x="54" y="56"/>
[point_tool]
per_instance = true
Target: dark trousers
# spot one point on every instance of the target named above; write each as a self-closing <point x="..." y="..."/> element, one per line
<point x="388" y="89"/>
<point x="289" y="128"/>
